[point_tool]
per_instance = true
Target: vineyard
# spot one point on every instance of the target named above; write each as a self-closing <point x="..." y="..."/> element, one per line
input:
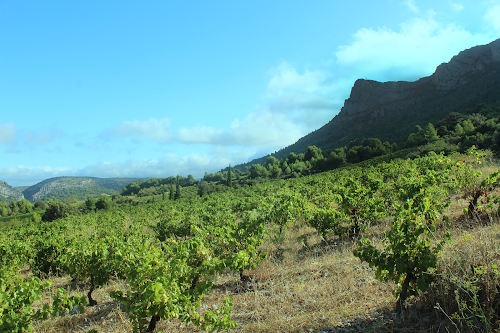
<point x="401" y="245"/>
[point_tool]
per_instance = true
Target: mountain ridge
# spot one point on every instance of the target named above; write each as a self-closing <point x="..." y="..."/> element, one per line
<point x="390" y="110"/>
<point x="9" y="193"/>
<point x="64" y="187"/>
<point x="385" y="110"/>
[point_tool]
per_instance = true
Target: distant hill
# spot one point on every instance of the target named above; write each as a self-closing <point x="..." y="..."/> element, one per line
<point x="64" y="187"/>
<point x="9" y="193"/>
<point x="390" y="110"/>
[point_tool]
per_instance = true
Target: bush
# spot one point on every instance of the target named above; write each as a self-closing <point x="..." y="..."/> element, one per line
<point x="41" y="205"/>
<point x="467" y="284"/>
<point x="104" y="203"/>
<point x="57" y="210"/>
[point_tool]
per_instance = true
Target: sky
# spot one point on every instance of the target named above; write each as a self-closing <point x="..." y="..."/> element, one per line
<point x="164" y="88"/>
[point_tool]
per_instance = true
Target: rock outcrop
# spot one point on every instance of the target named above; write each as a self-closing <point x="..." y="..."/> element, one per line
<point x="376" y="98"/>
<point x="80" y="187"/>
<point x="390" y="110"/>
<point x="41" y="190"/>
<point x="8" y="193"/>
<point x="449" y="75"/>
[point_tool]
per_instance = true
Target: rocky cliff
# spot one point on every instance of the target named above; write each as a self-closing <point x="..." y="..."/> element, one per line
<point x="8" y="193"/>
<point x="376" y="98"/>
<point x="79" y="187"/>
<point x="390" y="110"/>
<point x="43" y="189"/>
<point x="477" y="59"/>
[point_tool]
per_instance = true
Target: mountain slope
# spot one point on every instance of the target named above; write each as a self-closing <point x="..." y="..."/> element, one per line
<point x="390" y="110"/>
<point x="9" y="193"/>
<point x="80" y="187"/>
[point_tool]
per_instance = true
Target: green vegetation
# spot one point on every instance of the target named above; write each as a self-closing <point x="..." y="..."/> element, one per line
<point x="166" y="253"/>
<point x="62" y="188"/>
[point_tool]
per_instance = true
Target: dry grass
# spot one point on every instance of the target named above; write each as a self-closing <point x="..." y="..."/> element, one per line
<point x="316" y="288"/>
<point x="307" y="288"/>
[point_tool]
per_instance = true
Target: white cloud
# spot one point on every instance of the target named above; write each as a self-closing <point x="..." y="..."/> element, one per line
<point x="264" y="128"/>
<point x="199" y="134"/>
<point x="296" y="103"/>
<point x="413" y="52"/>
<point x="289" y="90"/>
<point x="8" y="133"/>
<point x="158" y="129"/>
<point x="169" y="165"/>
<point x="456" y="7"/>
<point x="292" y="105"/>
<point x="42" y="137"/>
<point x="411" y="5"/>
<point x="20" y="175"/>
<point x="492" y="17"/>
<point x="213" y="160"/>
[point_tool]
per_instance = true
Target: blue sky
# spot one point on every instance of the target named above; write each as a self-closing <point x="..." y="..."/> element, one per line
<point x="160" y="88"/>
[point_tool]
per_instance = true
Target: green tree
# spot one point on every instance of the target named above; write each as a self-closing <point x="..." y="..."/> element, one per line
<point x="14" y="208"/>
<point x="132" y="188"/>
<point x="191" y="180"/>
<point x="257" y="170"/>
<point x="229" y="177"/>
<point x="219" y="177"/>
<point x="4" y="209"/>
<point x="57" y="210"/>
<point x="90" y="204"/>
<point x="415" y="138"/>
<point x="25" y="206"/>
<point x="459" y="130"/>
<point x="36" y="218"/>
<point x="274" y="171"/>
<point x="313" y="152"/>
<point x="41" y="205"/>
<point x="202" y="188"/>
<point x="298" y="167"/>
<point x="104" y="203"/>
<point x="270" y="161"/>
<point x="177" y="190"/>
<point x="431" y="133"/>
<point x="172" y="192"/>
<point x="335" y="159"/>
<point x="71" y="200"/>
<point x="292" y="157"/>
<point x="468" y="127"/>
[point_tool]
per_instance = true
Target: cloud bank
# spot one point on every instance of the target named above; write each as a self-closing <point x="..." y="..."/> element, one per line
<point x="414" y="51"/>
<point x="43" y="136"/>
<point x="8" y="133"/>
<point x="158" y="129"/>
<point x="492" y="17"/>
<point x="294" y="102"/>
<point x="168" y="165"/>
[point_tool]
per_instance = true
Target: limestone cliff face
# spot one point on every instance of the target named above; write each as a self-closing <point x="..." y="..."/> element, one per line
<point x="42" y="189"/>
<point x="391" y="110"/>
<point x="80" y="187"/>
<point x="8" y="193"/>
<point x="377" y="98"/>
<point x="449" y="75"/>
